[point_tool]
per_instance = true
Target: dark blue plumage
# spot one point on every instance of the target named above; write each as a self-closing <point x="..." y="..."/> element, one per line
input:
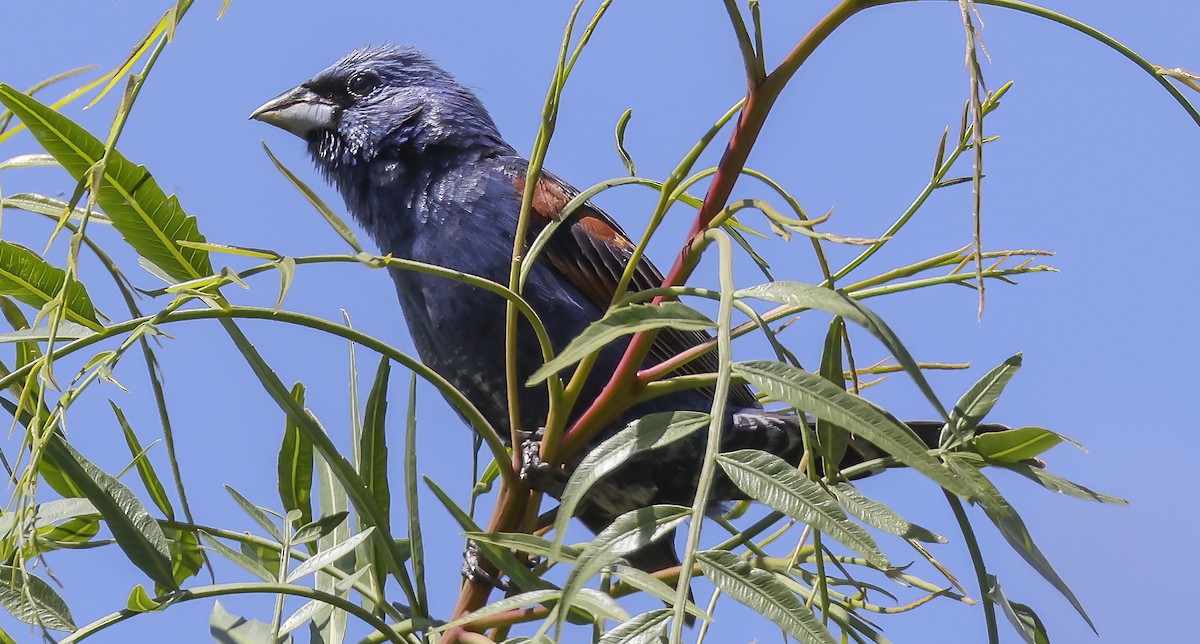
<point x="424" y="170"/>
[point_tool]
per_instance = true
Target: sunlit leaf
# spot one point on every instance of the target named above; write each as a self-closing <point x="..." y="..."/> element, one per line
<point x="33" y="601"/>
<point x="764" y="594"/>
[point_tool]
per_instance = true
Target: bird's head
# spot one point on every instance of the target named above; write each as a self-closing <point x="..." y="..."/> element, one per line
<point x="389" y="102"/>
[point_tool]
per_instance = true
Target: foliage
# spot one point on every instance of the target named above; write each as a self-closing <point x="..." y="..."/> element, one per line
<point x="333" y="533"/>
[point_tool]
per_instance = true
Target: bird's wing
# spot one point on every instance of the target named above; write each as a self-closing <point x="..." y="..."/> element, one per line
<point x="591" y="251"/>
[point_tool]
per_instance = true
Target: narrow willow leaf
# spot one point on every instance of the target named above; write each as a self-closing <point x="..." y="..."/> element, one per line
<point x="51" y="207"/>
<point x="838" y="303"/>
<point x="508" y="564"/>
<point x="1016" y="445"/>
<point x="644" y="434"/>
<point x="1023" y="618"/>
<point x="857" y="415"/>
<point x="1060" y="485"/>
<point x="328" y="556"/>
<point x="28" y="161"/>
<point x="373" y="466"/>
<point x="652" y="585"/>
<point x="140" y="601"/>
<point x="1015" y="533"/>
<point x="135" y="531"/>
<point x="65" y="331"/>
<point x="628" y="532"/>
<point x="295" y="466"/>
<point x="227" y="628"/>
<point x="28" y="278"/>
<point x="598" y="605"/>
<point x="251" y="565"/>
<point x="830" y="438"/>
<point x="508" y="603"/>
<point x="302" y="614"/>
<point x="626" y="160"/>
<point x="332" y="499"/>
<point x="982" y="396"/>
<point x="763" y="593"/>
<point x="642" y="629"/>
<point x="259" y="515"/>
<point x="319" y="528"/>
<point x="881" y="516"/>
<point x="620" y="322"/>
<point x="150" y="221"/>
<point x="773" y="482"/>
<point x="33" y="601"/>
<point x="339" y="226"/>
<point x="416" y="539"/>
<point x="154" y="486"/>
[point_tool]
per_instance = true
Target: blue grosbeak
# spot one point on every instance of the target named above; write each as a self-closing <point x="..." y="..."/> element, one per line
<point x="424" y="170"/>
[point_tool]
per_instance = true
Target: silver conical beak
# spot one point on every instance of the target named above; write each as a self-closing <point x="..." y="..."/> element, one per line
<point x="299" y="111"/>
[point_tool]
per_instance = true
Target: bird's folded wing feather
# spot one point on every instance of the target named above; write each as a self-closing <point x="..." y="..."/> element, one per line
<point x="591" y="251"/>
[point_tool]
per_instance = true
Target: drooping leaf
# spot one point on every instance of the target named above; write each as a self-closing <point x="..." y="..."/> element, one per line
<point x="881" y="516"/>
<point x="33" y="601"/>
<point x="154" y="486"/>
<point x="135" y="531"/>
<point x="838" y="303"/>
<point x="51" y="207"/>
<point x="28" y="278"/>
<point x="1014" y="531"/>
<point x="295" y="466"/>
<point x="150" y="221"/>
<point x="1023" y="618"/>
<point x="623" y="321"/>
<point x="227" y="628"/>
<point x="508" y="603"/>
<point x="339" y="226"/>
<point x="1060" y="485"/>
<point x="259" y="515"/>
<point x="1016" y="445"/>
<point x="823" y="399"/>
<point x="762" y="592"/>
<point x="247" y="563"/>
<point x="641" y="629"/>
<point x="651" y="432"/>
<point x="773" y="482"/>
<point x="627" y="533"/>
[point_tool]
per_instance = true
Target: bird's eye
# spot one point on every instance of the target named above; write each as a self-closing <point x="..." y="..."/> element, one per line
<point x="362" y="83"/>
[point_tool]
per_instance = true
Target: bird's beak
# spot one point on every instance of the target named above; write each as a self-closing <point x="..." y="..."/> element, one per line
<point x="299" y="111"/>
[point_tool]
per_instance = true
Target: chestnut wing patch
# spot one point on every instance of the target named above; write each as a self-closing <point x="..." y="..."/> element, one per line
<point x="591" y="252"/>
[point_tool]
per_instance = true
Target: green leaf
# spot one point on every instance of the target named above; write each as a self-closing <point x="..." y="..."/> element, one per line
<point x="527" y="543"/>
<point x="1060" y="485"/>
<point x="773" y="482"/>
<point x="881" y="516"/>
<point x="135" y="531"/>
<point x="647" y="433"/>
<point x="620" y="322"/>
<point x="763" y="593"/>
<point x="838" y="303"/>
<point x="416" y="540"/>
<point x="259" y="515"/>
<point x="247" y="563"/>
<point x="32" y="600"/>
<point x="227" y="628"/>
<point x="329" y="555"/>
<point x="1023" y="618"/>
<point x="652" y="585"/>
<point x="627" y="533"/>
<point x="66" y="331"/>
<point x="626" y="160"/>
<point x="508" y="564"/>
<point x="154" y="486"/>
<point x="1016" y="445"/>
<point x="373" y="465"/>
<point x="30" y="279"/>
<point x="296" y="466"/>
<point x="831" y="439"/>
<point x="823" y="399"/>
<point x="186" y="555"/>
<point x="151" y="222"/>
<point x="315" y="530"/>
<point x="267" y="557"/>
<point x="140" y="601"/>
<point x="598" y="605"/>
<point x="51" y="207"/>
<point x="508" y="603"/>
<point x="1014" y="531"/>
<point x="641" y="629"/>
<point x="982" y="396"/>
<point x="344" y="231"/>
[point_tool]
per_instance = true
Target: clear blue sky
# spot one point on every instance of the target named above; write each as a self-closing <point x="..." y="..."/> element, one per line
<point x="1095" y="162"/>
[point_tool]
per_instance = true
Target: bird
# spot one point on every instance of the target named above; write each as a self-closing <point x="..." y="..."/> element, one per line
<point x="423" y="168"/>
